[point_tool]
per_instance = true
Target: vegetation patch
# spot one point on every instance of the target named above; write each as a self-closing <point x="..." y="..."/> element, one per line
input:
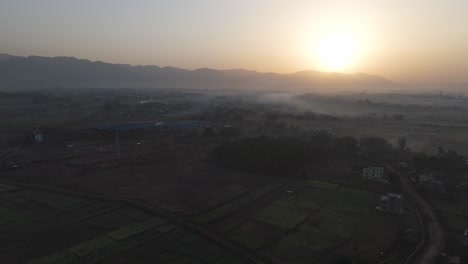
<point x="289" y="211"/>
<point x="350" y="199"/>
<point x="250" y="241"/>
<point x="340" y="212"/>
<point x="128" y="231"/>
<point x="255" y="235"/>
<point x="230" y="259"/>
<point x="54" y="200"/>
<point x="454" y="215"/>
<point x="457" y="222"/>
<point x="106" y="245"/>
<point x="339" y="223"/>
<point x="284" y="213"/>
<point x="203" y="249"/>
<point x="5" y="187"/>
<point x="9" y="215"/>
<point x="230" y="207"/>
<point x="317" y="191"/>
<point x="322" y="184"/>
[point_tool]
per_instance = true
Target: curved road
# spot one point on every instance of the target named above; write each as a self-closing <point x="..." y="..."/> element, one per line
<point x="435" y="233"/>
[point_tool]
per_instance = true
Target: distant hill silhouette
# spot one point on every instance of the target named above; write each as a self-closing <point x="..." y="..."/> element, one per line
<point x="44" y="72"/>
<point x="4" y="57"/>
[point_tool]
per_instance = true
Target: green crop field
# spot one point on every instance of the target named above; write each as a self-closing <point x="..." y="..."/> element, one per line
<point x="457" y="222"/>
<point x="322" y="184"/>
<point x="8" y="215"/>
<point x="339" y="223"/>
<point x="337" y="215"/>
<point x="66" y="228"/>
<point x="230" y="207"/>
<point x="106" y="245"/>
<point x="5" y="187"/>
<point x="206" y="250"/>
<point x="306" y="236"/>
<point x="248" y="240"/>
<point x="344" y="211"/>
<point x="291" y="210"/>
<point x="192" y="248"/>
<point x="284" y="213"/>
<point x="453" y="215"/>
<point x="26" y="205"/>
<point x="460" y="207"/>
<point x="317" y="191"/>
<point x="54" y="200"/>
<point x="350" y="199"/>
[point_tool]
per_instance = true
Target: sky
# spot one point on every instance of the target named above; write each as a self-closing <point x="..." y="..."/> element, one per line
<point x="408" y="41"/>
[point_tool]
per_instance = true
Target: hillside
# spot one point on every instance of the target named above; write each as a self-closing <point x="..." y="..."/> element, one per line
<point x="44" y="72"/>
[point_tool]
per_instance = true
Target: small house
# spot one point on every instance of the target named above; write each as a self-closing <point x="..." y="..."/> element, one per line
<point x="374" y="174"/>
<point x="431" y="184"/>
<point x="391" y="203"/>
<point x="465" y="238"/>
<point x="37" y="135"/>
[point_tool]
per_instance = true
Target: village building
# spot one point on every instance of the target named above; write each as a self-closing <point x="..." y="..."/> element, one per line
<point x="465" y="238"/>
<point x="374" y="174"/>
<point x="37" y="135"/>
<point x="391" y="203"/>
<point x="430" y="183"/>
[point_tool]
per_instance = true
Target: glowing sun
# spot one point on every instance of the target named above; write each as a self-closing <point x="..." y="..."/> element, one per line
<point x="336" y="51"/>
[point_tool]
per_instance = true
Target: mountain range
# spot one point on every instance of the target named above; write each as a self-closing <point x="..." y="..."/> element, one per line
<point x="45" y="72"/>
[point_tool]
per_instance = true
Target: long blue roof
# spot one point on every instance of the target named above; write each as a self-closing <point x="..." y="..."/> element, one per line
<point x="125" y="127"/>
<point x="181" y="124"/>
<point x="163" y="125"/>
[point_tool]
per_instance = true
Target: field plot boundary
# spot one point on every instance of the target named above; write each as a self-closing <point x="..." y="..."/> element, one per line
<point x="285" y="212"/>
<point x="339" y="213"/>
<point x="229" y="207"/>
<point x="455" y="219"/>
<point x="234" y="251"/>
<point x="106" y="245"/>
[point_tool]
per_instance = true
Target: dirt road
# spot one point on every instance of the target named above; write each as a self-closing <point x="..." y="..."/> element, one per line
<point x="435" y="234"/>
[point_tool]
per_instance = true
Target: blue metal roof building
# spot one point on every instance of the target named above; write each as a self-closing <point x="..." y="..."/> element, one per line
<point x="126" y="127"/>
<point x="170" y="125"/>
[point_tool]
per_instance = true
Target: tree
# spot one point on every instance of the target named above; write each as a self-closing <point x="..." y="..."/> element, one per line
<point x="372" y="146"/>
<point x="228" y="131"/>
<point x="112" y="106"/>
<point x="263" y="155"/>
<point x="402" y="144"/>
<point x="209" y="132"/>
<point x="346" y="146"/>
<point x="322" y="139"/>
<point x="440" y="151"/>
<point x="271" y="118"/>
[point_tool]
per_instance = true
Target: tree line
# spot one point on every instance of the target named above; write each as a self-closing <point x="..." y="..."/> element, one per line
<point x="283" y="155"/>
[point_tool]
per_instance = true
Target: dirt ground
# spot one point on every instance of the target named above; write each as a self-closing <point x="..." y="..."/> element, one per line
<point x="173" y="172"/>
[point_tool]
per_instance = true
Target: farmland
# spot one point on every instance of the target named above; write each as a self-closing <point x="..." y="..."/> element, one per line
<point x="315" y="210"/>
<point x="68" y="228"/>
<point x="318" y="215"/>
<point x="225" y="209"/>
<point x="454" y="215"/>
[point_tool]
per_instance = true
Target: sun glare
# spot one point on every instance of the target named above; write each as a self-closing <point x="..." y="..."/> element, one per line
<point x="336" y="51"/>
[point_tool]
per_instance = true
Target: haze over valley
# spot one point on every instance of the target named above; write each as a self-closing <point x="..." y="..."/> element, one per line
<point x="249" y="131"/>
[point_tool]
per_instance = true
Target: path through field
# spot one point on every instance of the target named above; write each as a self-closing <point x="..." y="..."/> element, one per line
<point x="435" y="234"/>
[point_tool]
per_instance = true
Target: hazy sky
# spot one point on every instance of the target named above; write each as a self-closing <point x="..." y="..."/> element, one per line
<point x="404" y="40"/>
